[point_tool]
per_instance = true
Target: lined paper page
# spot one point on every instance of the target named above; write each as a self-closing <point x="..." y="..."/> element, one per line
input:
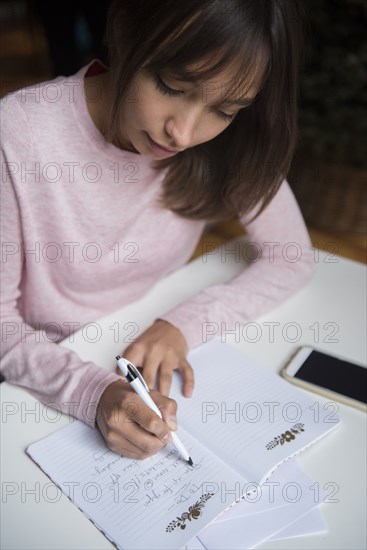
<point x="137" y="504"/>
<point x="240" y="408"/>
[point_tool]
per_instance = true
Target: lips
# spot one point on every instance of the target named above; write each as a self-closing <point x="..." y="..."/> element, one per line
<point x="163" y="146"/>
<point x="169" y="150"/>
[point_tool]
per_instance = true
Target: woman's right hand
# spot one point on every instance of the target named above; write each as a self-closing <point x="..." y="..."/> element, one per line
<point x="129" y="426"/>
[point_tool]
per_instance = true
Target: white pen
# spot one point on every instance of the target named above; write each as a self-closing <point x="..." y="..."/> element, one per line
<point x="139" y="385"/>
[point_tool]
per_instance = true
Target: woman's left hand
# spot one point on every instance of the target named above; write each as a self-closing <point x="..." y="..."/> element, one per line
<point x="159" y="351"/>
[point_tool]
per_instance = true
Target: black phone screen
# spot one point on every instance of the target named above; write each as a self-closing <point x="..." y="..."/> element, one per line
<point x="335" y="374"/>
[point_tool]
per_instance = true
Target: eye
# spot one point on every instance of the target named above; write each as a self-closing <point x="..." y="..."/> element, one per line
<point x="163" y="88"/>
<point x="226" y="117"/>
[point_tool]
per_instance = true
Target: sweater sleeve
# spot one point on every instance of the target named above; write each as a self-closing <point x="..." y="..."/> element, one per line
<point x="53" y="374"/>
<point x="282" y="263"/>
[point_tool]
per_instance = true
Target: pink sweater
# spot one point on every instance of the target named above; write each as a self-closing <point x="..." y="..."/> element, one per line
<point x="83" y="215"/>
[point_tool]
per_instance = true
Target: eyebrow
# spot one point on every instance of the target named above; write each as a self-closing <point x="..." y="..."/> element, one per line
<point x="182" y="77"/>
<point x="241" y="102"/>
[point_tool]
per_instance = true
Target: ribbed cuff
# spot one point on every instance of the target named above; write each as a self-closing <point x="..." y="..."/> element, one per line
<point x="87" y="396"/>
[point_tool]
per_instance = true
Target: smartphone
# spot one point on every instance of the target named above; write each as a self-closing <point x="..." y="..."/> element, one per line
<point x="329" y="376"/>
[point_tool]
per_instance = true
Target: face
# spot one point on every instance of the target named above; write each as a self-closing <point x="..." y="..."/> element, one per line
<point x="161" y="116"/>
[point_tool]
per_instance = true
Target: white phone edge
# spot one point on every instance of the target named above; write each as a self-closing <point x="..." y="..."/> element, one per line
<point x="289" y="370"/>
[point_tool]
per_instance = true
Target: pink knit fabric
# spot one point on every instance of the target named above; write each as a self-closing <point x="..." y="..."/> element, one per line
<point x="83" y="215"/>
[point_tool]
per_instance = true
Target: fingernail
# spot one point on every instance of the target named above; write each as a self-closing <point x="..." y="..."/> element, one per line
<point x="167" y="438"/>
<point x="172" y="423"/>
<point x="189" y="391"/>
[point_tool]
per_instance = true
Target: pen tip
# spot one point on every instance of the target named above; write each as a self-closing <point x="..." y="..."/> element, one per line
<point x="190" y="461"/>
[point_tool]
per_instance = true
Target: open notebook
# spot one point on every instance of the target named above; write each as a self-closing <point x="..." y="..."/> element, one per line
<point x="241" y="423"/>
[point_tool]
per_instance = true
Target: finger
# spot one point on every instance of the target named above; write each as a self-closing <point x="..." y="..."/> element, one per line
<point x="165" y="376"/>
<point x="149" y="371"/>
<point x="188" y="378"/>
<point x="135" y="423"/>
<point x="121" y="445"/>
<point x="139" y="441"/>
<point x="119" y="414"/>
<point x="149" y="422"/>
<point x="115" y="423"/>
<point x="168" y="408"/>
<point x="135" y="353"/>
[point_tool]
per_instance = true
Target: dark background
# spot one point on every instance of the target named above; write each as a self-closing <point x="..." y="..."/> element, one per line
<point x="329" y="169"/>
<point x="41" y="39"/>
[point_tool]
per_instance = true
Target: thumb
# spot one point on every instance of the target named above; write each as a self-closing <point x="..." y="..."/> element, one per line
<point x="168" y="408"/>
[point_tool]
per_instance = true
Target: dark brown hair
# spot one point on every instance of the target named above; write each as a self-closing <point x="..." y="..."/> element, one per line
<point x="242" y="167"/>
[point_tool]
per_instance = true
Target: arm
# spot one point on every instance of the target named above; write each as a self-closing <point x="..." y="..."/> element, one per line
<point x="281" y="269"/>
<point x="284" y="264"/>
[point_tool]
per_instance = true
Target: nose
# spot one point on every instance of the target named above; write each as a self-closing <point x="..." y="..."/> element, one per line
<point x="181" y="126"/>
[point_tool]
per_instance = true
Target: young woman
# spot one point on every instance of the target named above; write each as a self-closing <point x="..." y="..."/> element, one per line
<point x="109" y="178"/>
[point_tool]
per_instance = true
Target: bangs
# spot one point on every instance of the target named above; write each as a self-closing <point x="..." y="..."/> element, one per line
<point x="236" y="45"/>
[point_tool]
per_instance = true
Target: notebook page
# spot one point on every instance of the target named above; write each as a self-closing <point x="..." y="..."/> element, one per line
<point x="247" y="415"/>
<point x="136" y="504"/>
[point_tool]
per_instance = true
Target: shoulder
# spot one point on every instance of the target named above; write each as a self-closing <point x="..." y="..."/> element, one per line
<point x="32" y="111"/>
<point x="45" y="97"/>
<point x="15" y="127"/>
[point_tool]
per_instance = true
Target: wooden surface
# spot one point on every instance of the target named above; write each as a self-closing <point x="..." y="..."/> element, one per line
<point x="348" y="245"/>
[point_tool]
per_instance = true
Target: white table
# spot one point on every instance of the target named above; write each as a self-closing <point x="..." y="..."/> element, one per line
<point x="329" y="314"/>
